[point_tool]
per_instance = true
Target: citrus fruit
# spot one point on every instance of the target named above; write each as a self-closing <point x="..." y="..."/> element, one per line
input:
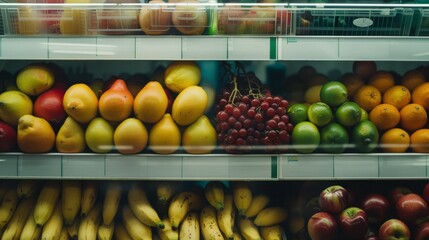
<point x="352" y="82"/>
<point x="412" y="79"/>
<point x="395" y="140"/>
<point x="419" y="141"/>
<point x="305" y="137"/>
<point x="367" y="97"/>
<point x="382" y="80"/>
<point x="398" y="96"/>
<point x="333" y="93"/>
<point x="333" y="138"/>
<point x="413" y="117"/>
<point x="312" y="95"/>
<point x="320" y="114"/>
<point x="317" y="79"/>
<point x="384" y="116"/>
<point x="364" y="69"/>
<point x="364" y="136"/>
<point x="348" y="114"/>
<point x="297" y="113"/>
<point x="364" y="114"/>
<point x="420" y="95"/>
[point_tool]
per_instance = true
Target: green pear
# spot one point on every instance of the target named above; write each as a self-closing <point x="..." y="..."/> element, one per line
<point x="199" y="137"/>
<point x="13" y="105"/>
<point x="71" y="137"/>
<point x="99" y="136"/>
<point x="35" y="79"/>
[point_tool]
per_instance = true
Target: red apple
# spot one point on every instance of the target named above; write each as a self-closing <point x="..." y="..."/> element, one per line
<point x="394" y="229"/>
<point x="422" y="231"/>
<point x="425" y="194"/>
<point x="7" y="137"/>
<point x="376" y="207"/>
<point x="49" y="105"/>
<point x="397" y="193"/>
<point x="353" y="223"/>
<point x="322" y="226"/>
<point x="334" y="199"/>
<point x="411" y="208"/>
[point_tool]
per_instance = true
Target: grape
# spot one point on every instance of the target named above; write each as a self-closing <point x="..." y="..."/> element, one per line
<point x="242" y="107"/>
<point x="269" y="99"/>
<point x="247" y="123"/>
<point x="242" y="132"/>
<point x="238" y="125"/>
<point x="271" y="112"/>
<point x="223" y="102"/>
<point x="229" y="108"/>
<point x="224" y="126"/>
<point x="222" y="116"/>
<point x="245" y="99"/>
<point x="231" y="121"/>
<point x="226" y="94"/>
<point x="251" y="113"/>
<point x="284" y="103"/>
<point x="260" y="127"/>
<point x="240" y="141"/>
<point x="272" y="123"/>
<point x="277" y="100"/>
<point x="284" y="118"/>
<point x="276" y="118"/>
<point x="265" y="106"/>
<point x="255" y="102"/>
<point x="272" y="135"/>
<point x="234" y="133"/>
<point x="236" y="112"/>
<point x="259" y="117"/>
<point x="281" y="111"/>
<point x="241" y="118"/>
<point x="281" y="125"/>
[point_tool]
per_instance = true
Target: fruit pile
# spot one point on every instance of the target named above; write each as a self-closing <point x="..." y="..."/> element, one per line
<point x="75" y="209"/>
<point x="41" y="113"/>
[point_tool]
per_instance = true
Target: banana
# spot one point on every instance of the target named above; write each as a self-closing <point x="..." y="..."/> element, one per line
<point x="89" y="196"/>
<point x="242" y="196"/>
<point x="274" y="232"/>
<point x="64" y="234"/>
<point x="190" y="227"/>
<point x="259" y="202"/>
<point x="73" y="229"/>
<point x="111" y="201"/>
<point x="165" y="191"/>
<point x="105" y="232"/>
<point x="8" y="206"/>
<point x="168" y="233"/>
<point x="181" y="204"/>
<point x="71" y="199"/>
<point x="237" y="236"/>
<point x="214" y="192"/>
<point x="52" y="228"/>
<point x="136" y="229"/>
<point x="209" y="228"/>
<point x="16" y="223"/>
<point x="141" y="207"/>
<point x="88" y="226"/>
<point x="31" y="231"/>
<point x="226" y="217"/>
<point x="27" y="187"/>
<point x="248" y="230"/>
<point x="46" y="201"/>
<point x="121" y="233"/>
<point x="270" y="216"/>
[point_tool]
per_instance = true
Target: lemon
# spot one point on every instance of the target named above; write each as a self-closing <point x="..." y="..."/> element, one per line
<point x="182" y="74"/>
<point x="320" y="114"/>
<point x="312" y="95"/>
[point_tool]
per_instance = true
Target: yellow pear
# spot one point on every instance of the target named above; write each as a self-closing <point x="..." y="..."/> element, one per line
<point x="164" y="137"/>
<point x="151" y="103"/>
<point x="35" y="79"/>
<point x="189" y="105"/>
<point x="13" y="105"/>
<point x="130" y="136"/>
<point x="99" y="136"/>
<point x="71" y="137"/>
<point x="80" y="102"/>
<point x="199" y="137"/>
<point x="35" y="135"/>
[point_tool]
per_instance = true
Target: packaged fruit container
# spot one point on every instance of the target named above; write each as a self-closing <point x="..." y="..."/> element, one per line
<point x="422" y="22"/>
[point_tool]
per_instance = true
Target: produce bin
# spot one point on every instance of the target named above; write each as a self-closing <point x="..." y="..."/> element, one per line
<point x="422" y="22"/>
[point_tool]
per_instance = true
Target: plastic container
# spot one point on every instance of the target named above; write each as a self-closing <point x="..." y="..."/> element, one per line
<point x="422" y="22"/>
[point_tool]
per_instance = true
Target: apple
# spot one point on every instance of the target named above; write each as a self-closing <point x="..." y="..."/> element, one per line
<point x="7" y="137"/>
<point x="425" y="193"/>
<point x="334" y="199"/>
<point x="322" y="226"/>
<point x="353" y="223"/>
<point x="376" y="207"/>
<point x="397" y="193"/>
<point x="394" y="229"/>
<point x="49" y="105"/>
<point x="421" y="232"/>
<point x="411" y="208"/>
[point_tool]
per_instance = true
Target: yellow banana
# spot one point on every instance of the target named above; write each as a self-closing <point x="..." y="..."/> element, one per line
<point x="274" y="232"/>
<point x="226" y="218"/>
<point x="214" y="192"/>
<point x="190" y="227"/>
<point x="121" y="233"/>
<point x="165" y="191"/>
<point x="168" y="233"/>
<point x="141" y="207"/>
<point x="73" y="229"/>
<point x="248" y="230"/>
<point x="105" y="232"/>
<point x="46" y="201"/>
<point x="259" y="202"/>
<point x="64" y="234"/>
<point x="181" y="204"/>
<point x="8" y="206"/>
<point x="89" y="196"/>
<point x="52" y="228"/>
<point x="136" y="229"/>
<point x="27" y="187"/>
<point x="31" y="231"/>
<point x="111" y="201"/>
<point x="270" y="216"/>
<point x="242" y="196"/>
<point x="71" y="199"/>
<point x="16" y="223"/>
<point x="208" y="222"/>
<point x="237" y="236"/>
<point x="88" y="226"/>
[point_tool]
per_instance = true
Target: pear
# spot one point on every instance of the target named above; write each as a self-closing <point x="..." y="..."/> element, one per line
<point x="199" y="137"/>
<point x="80" y="102"/>
<point x="164" y="137"/>
<point x="189" y="105"/>
<point x="35" y="135"/>
<point x="130" y="136"/>
<point x="116" y="103"/>
<point x="13" y="105"/>
<point x="151" y="103"/>
<point x="99" y="136"/>
<point x="71" y="137"/>
<point x="35" y="79"/>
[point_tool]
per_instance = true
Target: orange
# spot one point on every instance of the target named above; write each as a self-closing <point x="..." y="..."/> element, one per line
<point x="367" y="97"/>
<point x="398" y="96"/>
<point x="412" y="79"/>
<point x="395" y="140"/>
<point x="420" y="141"/>
<point x="353" y="82"/>
<point x="384" y="116"/>
<point x="382" y="80"/>
<point x="420" y="95"/>
<point x="413" y="117"/>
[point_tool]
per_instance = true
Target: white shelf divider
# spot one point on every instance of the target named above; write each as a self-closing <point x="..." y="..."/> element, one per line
<point x="8" y="166"/>
<point x="24" y="48"/>
<point x="39" y="165"/>
<point x="72" y="48"/>
<point x="356" y="166"/>
<point x="83" y="167"/>
<point x="403" y="166"/>
<point x="306" y="166"/>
